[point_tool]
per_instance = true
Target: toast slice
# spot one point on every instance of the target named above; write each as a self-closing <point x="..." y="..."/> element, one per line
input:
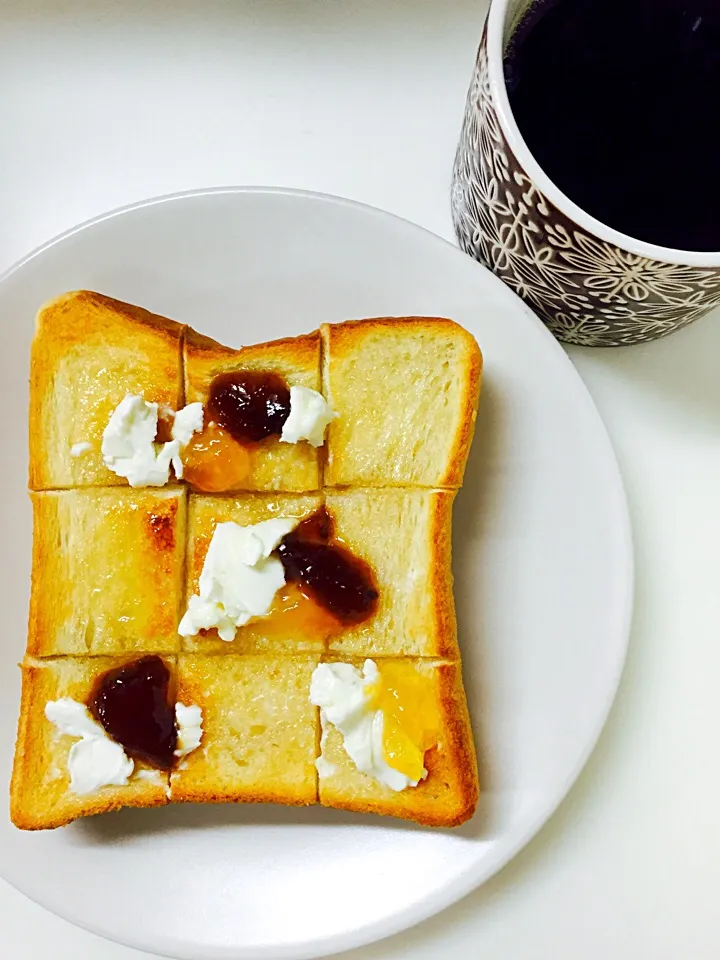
<point x="114" y="567"/>
<point x="406" y="394"/>
<point x="40" y="795"/>
<point x="107" y="571"/>
<point x="274" y="465"/>
<point x="261" y="731"/>
<point x="405" y="536"/>
<point x="89" y="351"/>
<point x="268" y="634"/>
<point x="449" y="793"/>
<point x="261" y="741"/>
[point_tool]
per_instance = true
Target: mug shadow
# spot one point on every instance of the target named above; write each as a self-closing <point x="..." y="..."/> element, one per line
<point x="679" y="372"/>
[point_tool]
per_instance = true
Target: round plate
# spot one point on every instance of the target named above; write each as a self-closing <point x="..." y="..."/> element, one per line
<point x="542" y="562"/>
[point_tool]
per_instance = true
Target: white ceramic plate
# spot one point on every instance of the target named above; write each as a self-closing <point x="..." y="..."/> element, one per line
<point x="542" y="561"/>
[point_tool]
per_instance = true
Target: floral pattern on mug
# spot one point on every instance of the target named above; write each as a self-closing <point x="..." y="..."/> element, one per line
<point x="587" y="291"/>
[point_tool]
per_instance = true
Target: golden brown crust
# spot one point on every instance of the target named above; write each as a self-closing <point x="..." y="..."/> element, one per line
<point x="435" y="365"/>
<point x="88" y="352"/>
<point x="448" y="795"/>
<point x="459" y="744"/>
<point x="83" y="306"/>
<point x="274" y="465"/>
<point x="459" y="451"/>
<point x="441" y="576"/>
<point x="288" y="356"/>
<point x="40" y="796"/>
<point x="107" y="571"/>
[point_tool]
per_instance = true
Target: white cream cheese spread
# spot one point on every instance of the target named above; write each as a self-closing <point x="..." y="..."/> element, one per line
<point x="310" y="413"/>
<point x="239" y="578"/>
<point x="129" y="448"/>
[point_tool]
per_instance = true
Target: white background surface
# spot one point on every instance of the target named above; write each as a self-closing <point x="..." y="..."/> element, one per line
<point x="105" y="103"/>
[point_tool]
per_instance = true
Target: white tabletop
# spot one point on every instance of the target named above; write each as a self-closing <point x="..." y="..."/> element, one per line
<point x="105" y="102"/>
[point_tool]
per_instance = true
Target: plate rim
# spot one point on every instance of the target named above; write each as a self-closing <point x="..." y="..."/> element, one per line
<point x="473" y="877"/>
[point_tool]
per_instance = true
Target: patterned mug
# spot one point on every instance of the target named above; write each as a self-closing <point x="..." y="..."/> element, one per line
<point x="590" y="284"/>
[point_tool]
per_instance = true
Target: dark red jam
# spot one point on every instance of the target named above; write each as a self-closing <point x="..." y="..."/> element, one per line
<point x="249" y="404"/>
<point x="330" y="574"/>
<point x="133" y="704"/>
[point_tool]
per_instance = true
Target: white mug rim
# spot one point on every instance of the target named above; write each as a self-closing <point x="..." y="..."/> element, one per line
<point x="495" y="33"/>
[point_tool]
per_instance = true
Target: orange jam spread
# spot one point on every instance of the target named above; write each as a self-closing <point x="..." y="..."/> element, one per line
<point x="295" y="614"/>
<point x="411" y="722"/>
<point x="213" y="461"/>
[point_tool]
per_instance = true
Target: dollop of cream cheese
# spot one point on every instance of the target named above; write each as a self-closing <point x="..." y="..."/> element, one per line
<point x="128" y="444"/>
<point x="344" y="695"/>
<point x="239" y="577"/>
<point x="188" y="721"/>
<point x="310" y="414"/>
<point x="95" y="761"/>
<point x="187" y="421"/>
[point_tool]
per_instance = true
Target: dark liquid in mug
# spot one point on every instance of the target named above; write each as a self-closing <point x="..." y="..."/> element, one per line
<point x="619" y="102"/>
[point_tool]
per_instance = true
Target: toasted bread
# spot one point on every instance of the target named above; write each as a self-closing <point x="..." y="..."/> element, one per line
<point x="403" y="534"/>
<point x="274" y="465"/>
<point x="447" y="796"/>
<point x="405" y="537"/>
<point x="40" y="795"/>
<point x="260" y="730"/>
<point x="205" y="514"/>
<point x="88" y="352"/>
<point x="107" y="571"/>
<point x="406" y="394"/>
<point x="114" y="567"/>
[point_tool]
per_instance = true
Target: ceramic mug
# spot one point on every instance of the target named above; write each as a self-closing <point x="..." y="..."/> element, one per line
<point x="590" y="284"/>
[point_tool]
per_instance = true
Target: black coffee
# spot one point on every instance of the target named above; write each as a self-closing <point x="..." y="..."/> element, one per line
<point x="619" y="101"/>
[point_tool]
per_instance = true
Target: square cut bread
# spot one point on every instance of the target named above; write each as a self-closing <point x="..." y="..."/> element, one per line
<point x="89" y="351"/>
<point x="405" y="536"/>
<point x="449" y="793"/>
<point x="258" y="636"/>
<point x="107" y="571"/>
<point x="406" y="394"/>
<point x="40" y="795"/>
<point x="113" y="567"/>
<point x="260" y="730"/>
<point x="274" y="465"/>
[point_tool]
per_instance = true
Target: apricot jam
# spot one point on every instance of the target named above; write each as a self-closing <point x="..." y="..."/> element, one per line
<point x="133" y="705"/>
<point x="250" y="404"/>
<point x="341" y="583"/>
<point x="295" y="614"/>
<point x="213" y="461"/>
<point x="411" y="717"/>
